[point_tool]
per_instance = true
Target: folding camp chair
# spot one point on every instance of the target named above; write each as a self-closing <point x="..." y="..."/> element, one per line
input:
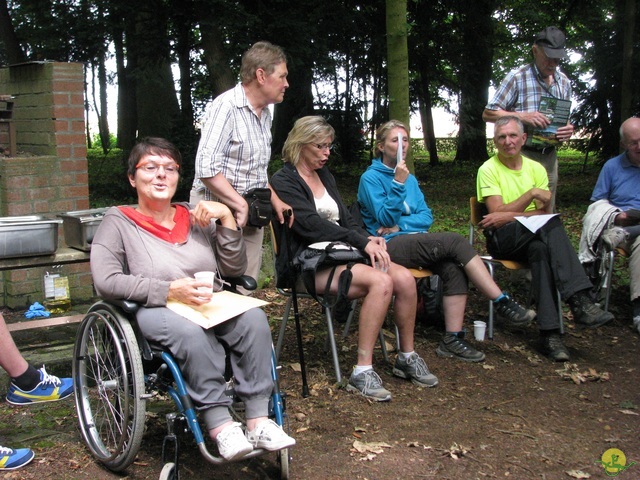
<point x="299" y="291"/>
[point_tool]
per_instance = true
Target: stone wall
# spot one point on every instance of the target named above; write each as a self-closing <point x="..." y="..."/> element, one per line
<point x="49" y="175"/>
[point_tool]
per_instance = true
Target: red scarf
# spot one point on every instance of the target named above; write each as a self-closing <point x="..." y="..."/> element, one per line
<point x="179" y="232"/>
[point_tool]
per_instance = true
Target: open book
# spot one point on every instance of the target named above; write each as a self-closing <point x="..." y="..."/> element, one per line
<point x="557" y="111"/>
<point x="223" y="306"/>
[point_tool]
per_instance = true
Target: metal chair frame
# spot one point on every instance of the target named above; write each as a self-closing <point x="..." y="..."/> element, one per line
<point x="330" y="342"/>
<point x="608" y="259"/>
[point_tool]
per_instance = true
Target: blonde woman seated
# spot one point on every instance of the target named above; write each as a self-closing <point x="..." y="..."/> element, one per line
<point x="306" y="184"/>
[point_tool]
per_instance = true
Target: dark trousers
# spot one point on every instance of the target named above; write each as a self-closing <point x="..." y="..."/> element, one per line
<point x="444" y="253"/>
<point x="553" y="261"/>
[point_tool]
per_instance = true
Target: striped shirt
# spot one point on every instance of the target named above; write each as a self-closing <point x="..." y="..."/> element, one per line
<point x="234" y="142"/>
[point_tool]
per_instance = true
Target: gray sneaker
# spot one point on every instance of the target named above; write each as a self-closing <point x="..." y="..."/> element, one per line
<point x="454" y="345"/>
<point x="415" y="369"/>
<point x="369" y="385"/>
<point x="636" y="322"/>
<point x="613" y="237"/>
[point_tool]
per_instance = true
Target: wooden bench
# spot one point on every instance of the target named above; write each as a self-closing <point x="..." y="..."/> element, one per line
<point x="45" y="322"/>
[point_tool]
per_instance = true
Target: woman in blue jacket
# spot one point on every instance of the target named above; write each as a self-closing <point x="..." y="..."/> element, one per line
<point x="393" y="207"/>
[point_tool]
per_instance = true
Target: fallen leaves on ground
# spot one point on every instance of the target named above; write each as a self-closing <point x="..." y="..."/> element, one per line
<point x="369" y="450"/>
<point x="578" y="474"/>
<point x="572" y="372"/>
<point x="456" y="451"/>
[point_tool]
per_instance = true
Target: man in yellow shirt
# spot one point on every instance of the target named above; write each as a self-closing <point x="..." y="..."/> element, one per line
<point x="511" y="185"/>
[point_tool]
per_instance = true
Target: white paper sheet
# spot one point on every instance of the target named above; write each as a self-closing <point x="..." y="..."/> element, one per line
<point x="536" y="222"/>
<point x="223" y="306"/>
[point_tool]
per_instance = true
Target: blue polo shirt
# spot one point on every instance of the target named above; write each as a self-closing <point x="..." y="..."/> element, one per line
<point x="619" y="182"/>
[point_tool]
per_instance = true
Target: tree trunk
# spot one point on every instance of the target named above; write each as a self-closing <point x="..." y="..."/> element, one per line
<point x="127" y="118"/>
<point x="426" y="119"/>
<point x="627" y="60"/>
<point x="184" y="24"/>
<point x="474" y="78"/>
<point x="398" y="64"/>
<point x="15" y="53"/>
<point x="298" y="102"/>
<point x="103" y="117"/>
<point x="157" y="103"/>
<point x="222" y="77"/>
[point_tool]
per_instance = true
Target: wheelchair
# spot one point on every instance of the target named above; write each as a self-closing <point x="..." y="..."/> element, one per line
<point x="116" y="372"/>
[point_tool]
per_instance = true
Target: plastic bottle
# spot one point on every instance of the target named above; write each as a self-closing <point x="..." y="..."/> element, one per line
<point x="56" y="293"/>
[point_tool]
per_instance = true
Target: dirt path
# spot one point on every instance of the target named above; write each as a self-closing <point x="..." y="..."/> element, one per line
<point x="517" y="415"/>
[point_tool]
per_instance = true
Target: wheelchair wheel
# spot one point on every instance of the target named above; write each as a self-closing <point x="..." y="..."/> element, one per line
<point x="283" y="460"/>
<point x="109" y="386"/>
<point x="168" y="471"/>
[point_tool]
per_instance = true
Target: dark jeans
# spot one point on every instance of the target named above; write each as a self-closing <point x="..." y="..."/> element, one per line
<point x="445" y="254"/>
<point x="553" y="261"/>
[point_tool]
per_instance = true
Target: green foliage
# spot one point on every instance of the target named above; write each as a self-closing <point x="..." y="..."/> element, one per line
<point x="96" y="142"/>
<point x="337" y="51"/>
<point x="108" y="184"/>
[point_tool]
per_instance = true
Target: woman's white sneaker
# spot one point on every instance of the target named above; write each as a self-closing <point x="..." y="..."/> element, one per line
<point x="232" y="444"/>
<point x="270" y="436"/>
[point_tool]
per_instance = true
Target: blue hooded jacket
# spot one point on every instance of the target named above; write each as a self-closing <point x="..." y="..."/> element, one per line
<point x="386" y="203"/>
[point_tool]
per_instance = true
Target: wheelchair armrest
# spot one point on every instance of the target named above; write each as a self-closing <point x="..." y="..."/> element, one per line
<point x="127" y="305"/>
<point x="244" y="281"/>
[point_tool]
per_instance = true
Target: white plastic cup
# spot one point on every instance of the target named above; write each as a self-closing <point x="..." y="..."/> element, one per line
<point x="205" y="277"/>
<point x="479" y="329"/>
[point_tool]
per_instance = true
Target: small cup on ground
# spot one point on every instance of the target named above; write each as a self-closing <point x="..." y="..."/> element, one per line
<point x="205" y="277"/>
<point x="479" y="329"/>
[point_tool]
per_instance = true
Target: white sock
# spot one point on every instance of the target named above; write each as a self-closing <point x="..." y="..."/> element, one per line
<point x="405" y="355"/>
<point x="358" y="369"/>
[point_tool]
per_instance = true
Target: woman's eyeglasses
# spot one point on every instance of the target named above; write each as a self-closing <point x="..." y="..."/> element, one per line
<point x="323" y="146"/>
<point x="152" y="167"/>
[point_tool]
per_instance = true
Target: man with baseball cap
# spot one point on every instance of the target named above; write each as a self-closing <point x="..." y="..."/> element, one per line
<point x="521" y="92"/>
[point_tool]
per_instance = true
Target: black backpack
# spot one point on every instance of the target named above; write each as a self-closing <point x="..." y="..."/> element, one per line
<point x="430" y="310"/>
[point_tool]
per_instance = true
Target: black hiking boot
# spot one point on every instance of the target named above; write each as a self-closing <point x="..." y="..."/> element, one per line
<point x="587" y="313"/>
<point x="553" y="347"/>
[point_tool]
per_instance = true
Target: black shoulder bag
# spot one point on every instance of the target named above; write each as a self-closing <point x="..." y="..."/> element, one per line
<point x="260" y="210"/>
<point x="328" y="255"/>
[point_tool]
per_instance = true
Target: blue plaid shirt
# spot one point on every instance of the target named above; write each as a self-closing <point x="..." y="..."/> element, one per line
<point x="522" y="89"/>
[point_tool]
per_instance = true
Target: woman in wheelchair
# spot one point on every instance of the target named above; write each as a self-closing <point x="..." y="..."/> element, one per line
<point x="148" y="254"/>
<point x="320" y="215"/>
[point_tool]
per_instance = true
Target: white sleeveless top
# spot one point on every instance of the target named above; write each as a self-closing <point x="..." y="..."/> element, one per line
<point x="327" y="207"/>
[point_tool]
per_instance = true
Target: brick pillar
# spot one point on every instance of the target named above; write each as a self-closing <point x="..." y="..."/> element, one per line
<point x="49" y="175"/>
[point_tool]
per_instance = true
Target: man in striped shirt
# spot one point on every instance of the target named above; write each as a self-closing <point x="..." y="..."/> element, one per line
<point x="520" y="94"/>
<point x="235" y="143"/>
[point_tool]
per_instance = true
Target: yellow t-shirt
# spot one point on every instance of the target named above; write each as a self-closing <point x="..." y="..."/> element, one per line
<point x="496" y="179"/>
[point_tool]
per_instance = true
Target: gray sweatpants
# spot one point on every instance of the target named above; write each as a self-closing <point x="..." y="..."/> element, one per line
<point x="200" y="354"/>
